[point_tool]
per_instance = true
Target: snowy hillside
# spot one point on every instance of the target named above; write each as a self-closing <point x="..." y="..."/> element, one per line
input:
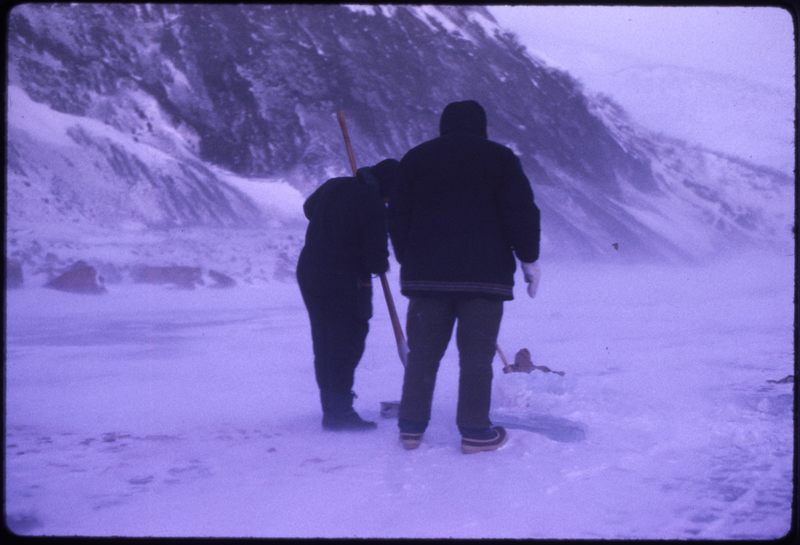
<point x="722" y="77"/>
<point x="744" y="202"/>
<point x="730" y="113"/>
<point x="86" y="171"/>
<point x="95" y="192"/>
<point x="162" y="119"/>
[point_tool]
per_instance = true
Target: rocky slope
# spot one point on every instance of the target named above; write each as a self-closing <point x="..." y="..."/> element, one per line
<point x="148" y="120"/>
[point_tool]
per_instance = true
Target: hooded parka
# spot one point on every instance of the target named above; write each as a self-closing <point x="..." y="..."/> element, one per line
<point x="345" y="244"/>
<point x="463" y="209"/>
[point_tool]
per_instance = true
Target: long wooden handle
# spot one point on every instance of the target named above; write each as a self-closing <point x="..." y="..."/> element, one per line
<point x="348" y="146"/>
<point x="506" y="367"/>
<point x="399" y="337"/>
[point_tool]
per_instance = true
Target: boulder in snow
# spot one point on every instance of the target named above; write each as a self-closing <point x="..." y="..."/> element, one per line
<point x="221" y="280"/>
<point x="79" y="278"/>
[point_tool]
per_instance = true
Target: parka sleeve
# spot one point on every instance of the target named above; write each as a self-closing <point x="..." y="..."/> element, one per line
<point x="399" y="212"/>
<point x="373" y="232"/>
<point x="518" y="211"/>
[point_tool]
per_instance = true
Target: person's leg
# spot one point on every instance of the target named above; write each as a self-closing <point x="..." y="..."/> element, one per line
<point x="476" y="337"/>
<point x="429" y="325"/>
<point x="349" y="325"/>
<point x="319" y="341"/>
<point x="324" y="342"/>
<point x="338" y="333"/>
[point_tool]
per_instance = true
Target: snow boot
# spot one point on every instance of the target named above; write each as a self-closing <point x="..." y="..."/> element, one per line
<point x="346" y="421"/>
<point x="410" y="441"/>
<point x="338" y="413"/>
<point x="411" y="432"/>
<point x="491" y="439"/>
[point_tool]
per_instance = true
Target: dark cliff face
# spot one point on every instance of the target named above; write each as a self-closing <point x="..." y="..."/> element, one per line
<point x="262" y="80"/>
<point x="256" y="87"/>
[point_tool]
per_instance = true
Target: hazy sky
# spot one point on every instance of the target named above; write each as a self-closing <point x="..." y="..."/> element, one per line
<point x="755" y="43"/>
<point x="718" y="76"/>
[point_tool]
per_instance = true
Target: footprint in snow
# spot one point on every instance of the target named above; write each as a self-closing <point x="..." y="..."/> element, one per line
<point x="141" y="480"/>
<point x="194" y="469"/>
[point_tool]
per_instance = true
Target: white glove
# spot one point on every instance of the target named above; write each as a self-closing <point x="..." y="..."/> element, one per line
<point x="532" y="275"/>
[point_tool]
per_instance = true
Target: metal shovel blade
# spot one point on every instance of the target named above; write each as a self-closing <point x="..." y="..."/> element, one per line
<point x="390" y="409"/>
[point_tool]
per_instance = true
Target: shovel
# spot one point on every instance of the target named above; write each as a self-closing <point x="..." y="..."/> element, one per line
<point x="523" y="364"/>
<point x="389" y="409"/>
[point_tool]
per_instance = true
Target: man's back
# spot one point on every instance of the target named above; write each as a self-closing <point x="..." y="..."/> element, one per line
<point x="346" y="237"/>
<point x="463" y="209"/>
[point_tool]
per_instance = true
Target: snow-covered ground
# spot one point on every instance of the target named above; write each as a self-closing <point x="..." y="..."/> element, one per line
<point x="157" y="412"/>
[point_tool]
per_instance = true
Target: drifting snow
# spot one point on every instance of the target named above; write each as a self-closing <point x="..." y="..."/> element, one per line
<point x="427" y="14"/>
<point x="358" y="8"/>
<point x="487" y="22"/>
<point x="151" y="412"/>
<point x="279" y="200"/>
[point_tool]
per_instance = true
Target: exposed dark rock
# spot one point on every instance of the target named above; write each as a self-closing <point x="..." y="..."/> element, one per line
<point x="221" y="280"/>
<point x="14" y="277"/>
<point x="79" y="278"/>
<point x="176" y="275"/>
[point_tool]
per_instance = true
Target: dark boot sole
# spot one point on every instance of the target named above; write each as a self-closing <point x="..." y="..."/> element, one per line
<point x="349" y="428"/>
<point x="471" y="446"/>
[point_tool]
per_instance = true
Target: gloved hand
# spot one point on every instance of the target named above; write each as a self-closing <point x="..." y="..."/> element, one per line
<point x="532" y="275"/>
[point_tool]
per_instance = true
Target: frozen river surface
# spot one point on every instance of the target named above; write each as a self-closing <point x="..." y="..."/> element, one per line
<point x="156" y="412"/>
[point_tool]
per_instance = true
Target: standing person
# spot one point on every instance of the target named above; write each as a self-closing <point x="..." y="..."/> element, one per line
<point x="464" y="208"/>
<point x="346" y="243"/>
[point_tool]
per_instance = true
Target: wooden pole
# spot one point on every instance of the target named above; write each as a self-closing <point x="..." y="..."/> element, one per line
<point x="348" y="146"/>
<point x="399" y="337"/>
<point x="506" y="366"/>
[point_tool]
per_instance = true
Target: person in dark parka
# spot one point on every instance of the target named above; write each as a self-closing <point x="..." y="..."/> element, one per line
<point x="462" y="212"/>
<point x="346" y="243"/>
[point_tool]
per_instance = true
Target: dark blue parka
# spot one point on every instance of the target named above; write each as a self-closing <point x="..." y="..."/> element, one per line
<point x="346" y="240"/>
<point x="464" y="208"/>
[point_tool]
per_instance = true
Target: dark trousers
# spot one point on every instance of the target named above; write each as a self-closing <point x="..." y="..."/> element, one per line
<point x="339" y="329"/>
<point x="429" y="325"/>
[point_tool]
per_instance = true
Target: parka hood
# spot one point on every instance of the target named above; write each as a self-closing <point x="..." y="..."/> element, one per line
<point x="384" y="176"/>
<point x="465" y="116"/>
